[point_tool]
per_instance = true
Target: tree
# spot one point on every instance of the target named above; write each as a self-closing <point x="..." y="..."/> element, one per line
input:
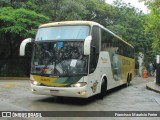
<point x="20" y="19"/>
<point x="152" y="23"/>
<point x="98" y="11"/>
<point x="71" y="10"/>
<point x="128" y="22"/>
<point x="16" y="24"/>
<point x="13" y="3"/>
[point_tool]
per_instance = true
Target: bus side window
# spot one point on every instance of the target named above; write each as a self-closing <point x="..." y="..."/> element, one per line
<point x="132" y="53"/>
<point x="93" y="59"/>
<point x="96" y="38"/>
<point x="106" y="41"/>
<point x="95" y="45"/>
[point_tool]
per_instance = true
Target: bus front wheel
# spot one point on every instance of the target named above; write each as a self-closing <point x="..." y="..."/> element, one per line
<point x="103" y="89"/>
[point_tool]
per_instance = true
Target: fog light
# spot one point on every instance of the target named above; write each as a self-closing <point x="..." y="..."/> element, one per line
<point x="82" y="93"/>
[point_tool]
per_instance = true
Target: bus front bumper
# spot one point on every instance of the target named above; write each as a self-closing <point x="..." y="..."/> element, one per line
<point x="80" y="92"/>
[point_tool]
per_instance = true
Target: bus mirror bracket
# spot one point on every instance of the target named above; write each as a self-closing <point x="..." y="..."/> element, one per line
<point x="87" y="44"/>
<point x="23" y="45"/>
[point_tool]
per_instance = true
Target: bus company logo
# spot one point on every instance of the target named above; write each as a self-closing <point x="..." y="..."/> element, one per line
<point x="44" y="79"/>
<point x="94" y="87"/>
<point x="125" y="62"/>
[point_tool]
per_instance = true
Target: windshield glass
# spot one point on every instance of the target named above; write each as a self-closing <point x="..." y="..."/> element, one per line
<point x="63" y="33"/>
<point x="59" y="59"/>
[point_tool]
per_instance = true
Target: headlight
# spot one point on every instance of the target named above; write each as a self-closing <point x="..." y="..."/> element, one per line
<point x="35" y="82"/>
<point x="79" y="84"/>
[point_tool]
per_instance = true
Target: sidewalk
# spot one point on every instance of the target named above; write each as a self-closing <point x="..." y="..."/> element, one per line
<point x="153" y="86"/>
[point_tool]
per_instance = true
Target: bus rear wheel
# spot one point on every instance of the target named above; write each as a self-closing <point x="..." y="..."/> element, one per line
<point x="128" y="80"/>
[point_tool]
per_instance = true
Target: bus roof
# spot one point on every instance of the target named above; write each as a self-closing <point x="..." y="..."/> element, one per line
<point x="80" y="22"/>
<point x="68" y="23"/>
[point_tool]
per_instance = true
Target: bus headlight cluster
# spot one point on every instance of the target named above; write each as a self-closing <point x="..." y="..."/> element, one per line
<point x="35" y="82"/>
<point x="79" y="84"/>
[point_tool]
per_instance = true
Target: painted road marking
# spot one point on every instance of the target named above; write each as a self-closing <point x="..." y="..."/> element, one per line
<point x="7" y="85"/>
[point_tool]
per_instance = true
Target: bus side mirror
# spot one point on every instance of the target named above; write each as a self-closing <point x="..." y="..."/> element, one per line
<point x="87" y="45"/>
<point x="23" y="45"/>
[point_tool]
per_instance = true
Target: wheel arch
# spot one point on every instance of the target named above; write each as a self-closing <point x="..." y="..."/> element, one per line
<point x="105" y="78"/>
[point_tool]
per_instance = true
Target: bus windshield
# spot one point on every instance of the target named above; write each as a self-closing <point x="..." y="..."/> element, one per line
<point x="63" y="33"/>
<point x="59" y="59"/>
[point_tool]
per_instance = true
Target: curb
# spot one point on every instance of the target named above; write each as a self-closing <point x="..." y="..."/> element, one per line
<point x="14" y="78"/>
<point x="153" y="86"/>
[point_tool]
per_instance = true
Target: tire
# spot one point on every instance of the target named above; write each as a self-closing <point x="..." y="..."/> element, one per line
<point x="128" y="81"/>
<point x="102" y="94"/>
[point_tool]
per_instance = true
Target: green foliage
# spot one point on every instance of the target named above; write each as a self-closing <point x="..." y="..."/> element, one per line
<point x="13" y="3"/>
<point x="98" y="11"/>
<point x="128" y="23"/>
<point x="20" y="19"/>
<point x="153" y="23"/>
<point x="71" y="10"/>
<point x="16" y="24"/>
<point x="20" y="22"/>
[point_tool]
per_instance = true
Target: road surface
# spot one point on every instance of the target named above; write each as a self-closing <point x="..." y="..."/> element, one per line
<point x="15" y="95"/>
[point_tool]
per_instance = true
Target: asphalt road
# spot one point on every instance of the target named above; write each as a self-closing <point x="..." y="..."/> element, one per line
<point x="15" y="95"/>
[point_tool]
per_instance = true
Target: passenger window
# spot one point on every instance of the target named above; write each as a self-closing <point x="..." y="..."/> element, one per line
<point x="94" y="48"/>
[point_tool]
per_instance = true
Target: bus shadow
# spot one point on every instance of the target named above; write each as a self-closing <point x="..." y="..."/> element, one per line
<point x="116" y="89"/>
<point x="69" y="100"/>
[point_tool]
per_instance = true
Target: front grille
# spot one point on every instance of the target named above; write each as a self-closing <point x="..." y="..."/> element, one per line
<point x="54" y="86"/>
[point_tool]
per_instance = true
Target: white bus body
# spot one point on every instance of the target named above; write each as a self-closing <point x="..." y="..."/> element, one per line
<point x="96" y="68"/>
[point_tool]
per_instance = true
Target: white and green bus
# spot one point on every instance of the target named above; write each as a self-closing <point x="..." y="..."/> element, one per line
<point x="78" y="59"/>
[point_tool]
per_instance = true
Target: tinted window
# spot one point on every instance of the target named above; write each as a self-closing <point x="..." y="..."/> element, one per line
<point x="94" y="48"/>
<point x="113" y="44"/>
<point x="106" y="41"/>
<point x="96" y="38"/>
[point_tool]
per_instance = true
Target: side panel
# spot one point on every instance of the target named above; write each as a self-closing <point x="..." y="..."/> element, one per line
<point x="121" y="67"/>
<point x="115" y="67"/>
<point x="103" y="69"/>
<point x="127" y="67"/>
